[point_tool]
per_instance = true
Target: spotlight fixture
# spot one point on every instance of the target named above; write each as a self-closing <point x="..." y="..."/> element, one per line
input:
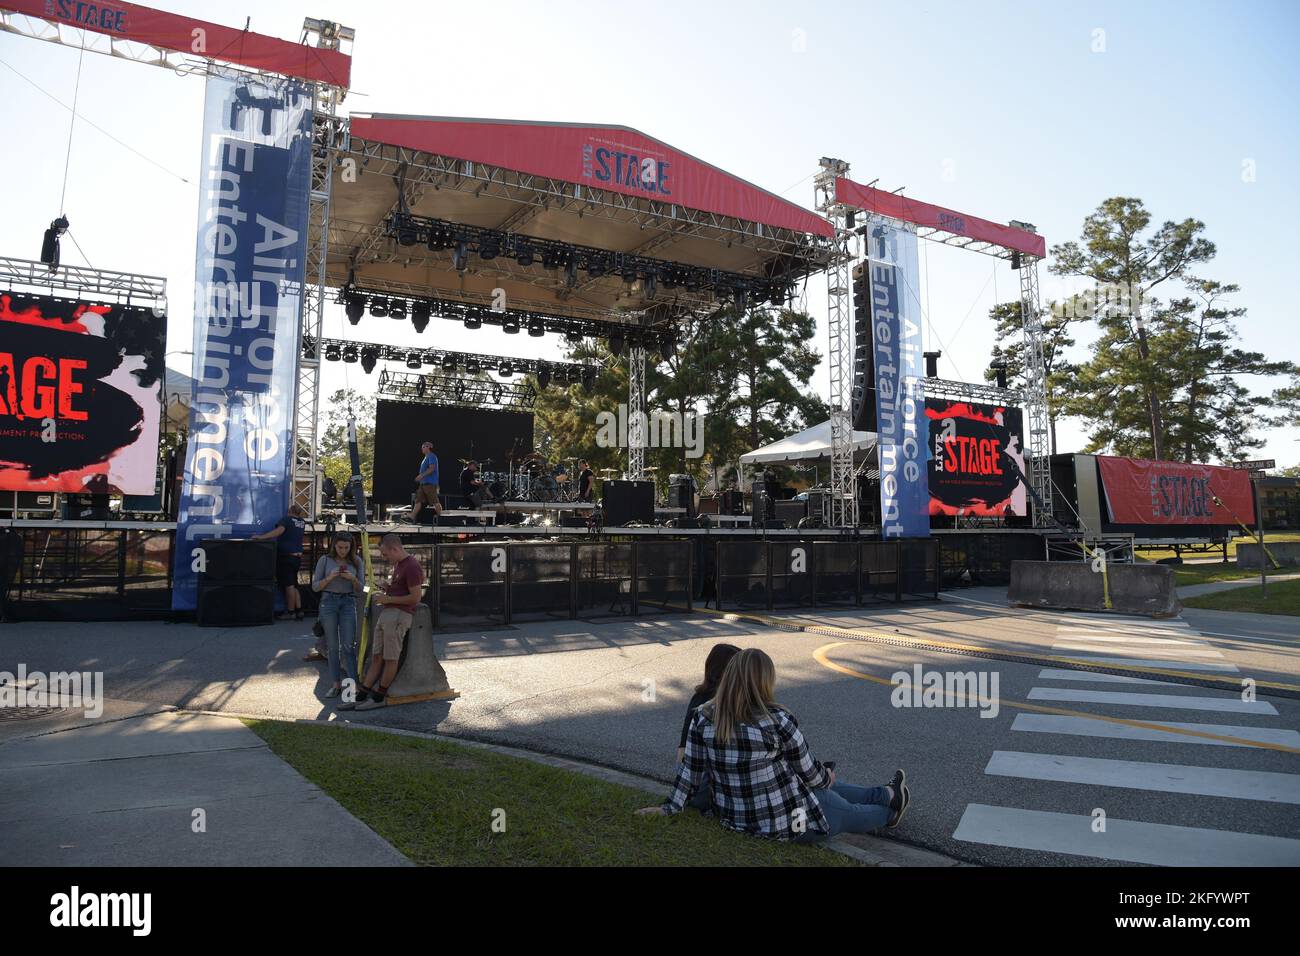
<point x="573" y="334"/>
<point x="489" y="246"/>
<point x="505" y="371"/>
<point x="408" y="233"/>
<point x="449" y="363"/>
<point x="571" y="273"/>
<point x="629" y="273"/>
<point x="523" y="253"/>
<point x="378" y="307"/>
<point x="742" y="298"/>
<point x="368" y="359"/>
<point x="667" y="344"/>
<point x="460" y="256"/>
<point x="349" y="353"/>
<point x="413" y="360"/>
<point x="651" y="284"/>
<point x="510" y="324"/>
<point x="354" y="305"/>
<point x="616" y="343"/>
<point x="536" y="327"/>
<point x="472" y="366"/>
<point x="694" y="282"/>
<point x="588" y="380"/>
<point x="595" y="266"/>
<point x="420" y="312"/>
<point x="543" y="377"/>
<point x="1015" y="260"/>
<point x="397" y="309"/>
<point x="50" y="242"/>
<point x="332" y="353"/>
<point x="473" y="320"/>
<point x="671" y="278"/>
<point x="551" y="258"/>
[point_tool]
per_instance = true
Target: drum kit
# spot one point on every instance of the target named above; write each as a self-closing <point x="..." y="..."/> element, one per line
<point x="531" y="478"/>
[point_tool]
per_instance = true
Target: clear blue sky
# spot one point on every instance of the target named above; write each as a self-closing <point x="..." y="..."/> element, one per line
<point x="1002" y="110"/>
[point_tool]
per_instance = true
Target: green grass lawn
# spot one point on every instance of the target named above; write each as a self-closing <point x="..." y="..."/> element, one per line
<point x="1209" y="573"/>
<point x="1283" y="598"/>
<point x="435" y="802"/>
<point x="1270" y="537"/>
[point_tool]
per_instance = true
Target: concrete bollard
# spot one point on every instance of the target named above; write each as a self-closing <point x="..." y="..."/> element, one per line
<point x="1134" y="588"/>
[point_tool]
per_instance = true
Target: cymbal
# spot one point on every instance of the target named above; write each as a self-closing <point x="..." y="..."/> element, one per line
<point x="609" y="471"/>
<point x="649" y="469"/>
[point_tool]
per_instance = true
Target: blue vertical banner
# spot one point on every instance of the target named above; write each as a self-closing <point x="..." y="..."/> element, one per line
<point x="901" y="427"/>
<point x="248" y="291"/>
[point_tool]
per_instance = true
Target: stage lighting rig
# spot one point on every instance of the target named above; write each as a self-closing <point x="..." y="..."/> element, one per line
<point x="616" y="342"/>
<point x="589" y="381"/>
<point x="449" y="363"/>
<point x="354" y="305"/>
<point x="505" y="371"/>
<point x="420" y="312"/>
<point x="460" y="256"/>
<point x="369" y="356"/>
<point x="333" y="353"/>
<point x="473" y="320"/>
<point x="413" y="360"/>
<point x="543" y="377"/>
<point x="536" y="327"/>
<point x="349" y="354"/>
<point x="50" y="242"/>
<point x="510" y="324"/>
<point x="378" y="307"/>
<point x="523" y="253"/>
<point x="489" y="247"/>
<point x="397" y="309"/>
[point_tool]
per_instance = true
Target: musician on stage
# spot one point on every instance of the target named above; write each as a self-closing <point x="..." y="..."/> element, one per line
<point x="586" y="482"/>
<point x="427" y="483"/>
<point x="472" y="488"/>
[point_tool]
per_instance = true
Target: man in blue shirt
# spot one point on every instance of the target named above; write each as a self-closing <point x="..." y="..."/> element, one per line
<point x="288" y="534"/>
<point x="427" y="483"/>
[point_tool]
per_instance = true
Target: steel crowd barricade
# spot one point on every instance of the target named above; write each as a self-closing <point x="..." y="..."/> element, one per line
<point x="663" y="575"/>
<point x="470" y="584"/>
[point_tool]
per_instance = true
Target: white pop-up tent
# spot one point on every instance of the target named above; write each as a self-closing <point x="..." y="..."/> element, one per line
<point x="808" y="445"/>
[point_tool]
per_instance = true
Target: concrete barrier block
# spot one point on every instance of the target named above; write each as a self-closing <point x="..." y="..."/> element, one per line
<point x="1069" y="585"/>
<point x="1287" y="554"/>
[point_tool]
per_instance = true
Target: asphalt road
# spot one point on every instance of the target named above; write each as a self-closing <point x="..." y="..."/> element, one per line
<point x="1063" y="773"/>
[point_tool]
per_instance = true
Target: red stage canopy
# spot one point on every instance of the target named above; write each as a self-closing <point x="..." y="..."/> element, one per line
<point x="937" y="217"/>
<point x="615" y="158"/>
<point x="168" y="31"/>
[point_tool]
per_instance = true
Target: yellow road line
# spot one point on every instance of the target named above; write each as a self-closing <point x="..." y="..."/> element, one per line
<point x="821" y="656"/>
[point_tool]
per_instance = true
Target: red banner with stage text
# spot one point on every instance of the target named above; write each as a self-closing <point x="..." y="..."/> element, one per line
<point x="1139" y="491"/>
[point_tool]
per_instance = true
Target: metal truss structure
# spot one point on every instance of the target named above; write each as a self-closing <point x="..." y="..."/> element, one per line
<point x="839" y="324"/>
<point x="635" y="413"/>
<point x="970" y="392"/>
<point x="149" y="291"/>
<point x="431" y="388"/>
<point x="329" y="135"/>
<point x="1037" y="448"/>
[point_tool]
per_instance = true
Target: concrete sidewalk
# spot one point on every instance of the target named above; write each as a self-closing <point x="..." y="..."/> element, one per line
<point x="1196" y="590"/>
<point x="129" y="792"/>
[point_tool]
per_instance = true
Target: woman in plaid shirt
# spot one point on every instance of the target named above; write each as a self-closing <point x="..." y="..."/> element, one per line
<point x="764" y="780"/>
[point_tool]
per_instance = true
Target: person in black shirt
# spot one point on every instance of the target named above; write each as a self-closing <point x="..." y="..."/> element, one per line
<point x="288" y="534"/>
<point x="587" y="484"/>
<point x="471" y="485"/>
<point x="714" y="665"/>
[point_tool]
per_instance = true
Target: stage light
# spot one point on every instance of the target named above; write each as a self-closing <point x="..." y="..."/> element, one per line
<point x="574" y="334"/>
<point x="332" y="352"/>
<point x="588" y="380"/>
<point x="420" y="312"/>
<point x="473" y="320"/>
<point x="551" y="258"/>
<point x="408" y="233"/>
<point x="616" y="342"/>
<point x="543" y="377"/>
<point x="379" y="307"/>
<point x="571" y="274"/>
<point x="651" y="284"/>
<point x="368" y="359"/>
<point x="742" y="297"/>
<point x="505" y="371"/>
<point x="671" y="278"/>
<point x="510" y="324"/>
<point x="667" y="344"/>
<point x="50" y="243"/>
<point x="489" y="246"/>
<point x="397" y="309"/>
<point x="460" y="256"/>
<point x="449" y="363"/>
<point x="354" y="305"/>
<point x="1015" y="260"/>
<point x="779" y="295"/>
<point x="536" y="327"/>
<point x="629" y="273"/>
<point x="413" y="360"/>
<point x="523" y="253"/>
<point x="349" y="353"/>
<point x="472" y="366"/>
<point x="595" y="266"/>
<point x="694" y="282"/>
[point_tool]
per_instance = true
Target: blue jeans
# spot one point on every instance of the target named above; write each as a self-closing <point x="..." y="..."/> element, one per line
<point x="338" y="616"/>
<point x="850" y="809"/>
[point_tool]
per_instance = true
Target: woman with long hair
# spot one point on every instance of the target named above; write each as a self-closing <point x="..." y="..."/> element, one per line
<point x="715" y="664"/>
<point x="764" y="781"/>
<point x="338" y="580"/>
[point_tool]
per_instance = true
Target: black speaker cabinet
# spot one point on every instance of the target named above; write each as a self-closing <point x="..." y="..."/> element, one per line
<point x="627" y="501"/>
<point x="682" y="495"/>
<point x="85" y="507"/>
<point x="238" y="560"/>
<point x="733" y="503"/>
<point x="792" y="512"/>
<point x="765" y="496"/>
<point x="235" y="603"/>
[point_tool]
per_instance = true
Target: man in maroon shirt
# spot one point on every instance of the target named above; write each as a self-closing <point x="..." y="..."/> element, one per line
<point x="397" y="609"/>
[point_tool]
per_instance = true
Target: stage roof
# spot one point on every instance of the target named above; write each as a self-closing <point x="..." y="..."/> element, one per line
<point x="608" y="187"/>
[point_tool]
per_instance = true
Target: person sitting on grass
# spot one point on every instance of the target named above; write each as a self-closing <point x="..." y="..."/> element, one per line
<point x="714" y="665"/>
<point x="398" y="602"/>
<point x="764" y="780"/>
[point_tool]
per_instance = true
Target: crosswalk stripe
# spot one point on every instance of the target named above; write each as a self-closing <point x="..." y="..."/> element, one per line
<point x="1264" y="785"/>
<point x="1121" y="638"/>
<point x="1131" y="623"/>
<point x="1227" y="705"/>
<point x="1173" y="653"/>
<point x="1164" y="664"/>
<point x="1131" y="841"/>
<point x="1091" y="677"/>
<point x="1086" y="727"/>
